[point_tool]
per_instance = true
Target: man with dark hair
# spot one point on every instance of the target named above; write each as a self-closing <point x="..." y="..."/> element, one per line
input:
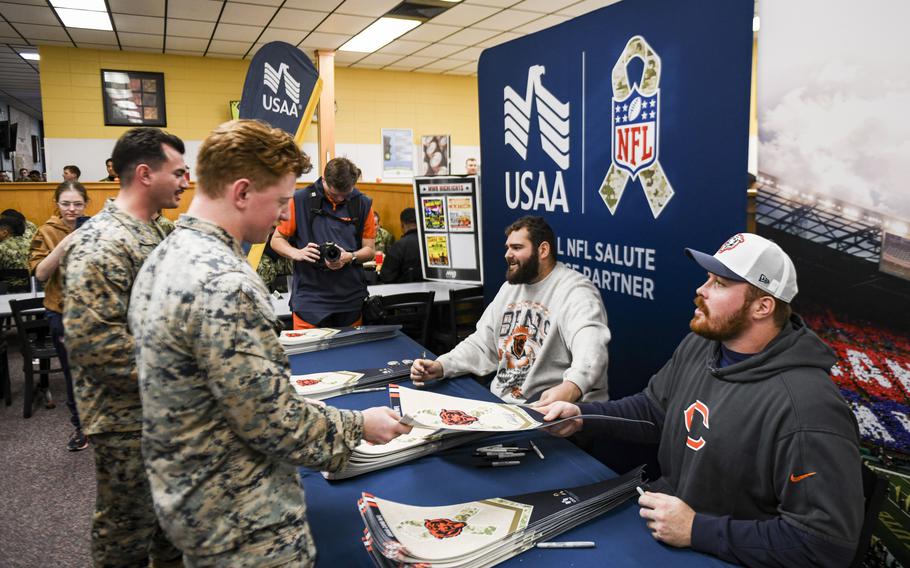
<point x="776" y="480"/>
<point x="71" y="173"/>
<point x="402" y="261"/>
<point x="223" y="429"/>
<point x="329" y="235"/>
<point x="111" y="172"/>
<point x="470" y="166"/>
<point x="23" y="174"/>
<point x="99" y="268"/>
<point x="545" y="333"/>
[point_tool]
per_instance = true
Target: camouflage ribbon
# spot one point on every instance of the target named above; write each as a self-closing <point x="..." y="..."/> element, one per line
<point x="657" y="188"/>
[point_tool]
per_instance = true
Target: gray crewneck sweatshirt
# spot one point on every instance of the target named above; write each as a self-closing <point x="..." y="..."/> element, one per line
<point x="535" y="336"/>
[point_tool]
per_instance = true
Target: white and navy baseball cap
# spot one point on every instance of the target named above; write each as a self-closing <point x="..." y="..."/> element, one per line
<point x="747" y="257"/>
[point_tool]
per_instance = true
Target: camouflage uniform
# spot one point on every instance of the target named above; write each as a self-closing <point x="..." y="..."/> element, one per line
<point x="99" y="268"/>
<point x="223" y="428"/>
<point x="14" y="254"/>
<point x="270" y="269"/>
<point x="384" y="240"/>
<point x="162" y="225"/>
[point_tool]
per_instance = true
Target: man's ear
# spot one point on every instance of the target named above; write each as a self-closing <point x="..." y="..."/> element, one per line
<point x="544" y="251"/>
<point x="240" y="191"/>
<point x="763" y="307"/>
<point x="143" y="173"/>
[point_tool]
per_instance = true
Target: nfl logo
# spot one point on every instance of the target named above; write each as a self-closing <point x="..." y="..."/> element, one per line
<point x="635" y="127"/>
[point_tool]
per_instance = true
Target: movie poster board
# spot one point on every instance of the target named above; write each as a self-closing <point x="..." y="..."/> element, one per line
<point x="448" y="223"/>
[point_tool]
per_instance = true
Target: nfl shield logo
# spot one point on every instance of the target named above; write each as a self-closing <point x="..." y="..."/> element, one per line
<point x="635" y="128"/>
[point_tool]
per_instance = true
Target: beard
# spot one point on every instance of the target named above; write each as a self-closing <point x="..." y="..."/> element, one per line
<point x="719" y="330"/>
<point x="526" y="272"/>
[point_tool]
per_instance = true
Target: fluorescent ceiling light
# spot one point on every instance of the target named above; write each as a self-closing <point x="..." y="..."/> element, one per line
<point x="378" y="34"/>
<point x="31" y="56"/>
<point x="90" y="5"/>
<point x="85" y="19"/>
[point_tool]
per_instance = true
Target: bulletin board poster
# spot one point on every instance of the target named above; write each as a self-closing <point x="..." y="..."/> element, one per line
<point x="448" y="222"/>
<point x="397" y="152"/>
<point x="436" y="155"/>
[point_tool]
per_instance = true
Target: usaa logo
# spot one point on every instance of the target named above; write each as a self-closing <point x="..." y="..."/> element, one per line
<point x="526" y="189"/>
<point x="272" y="79"/>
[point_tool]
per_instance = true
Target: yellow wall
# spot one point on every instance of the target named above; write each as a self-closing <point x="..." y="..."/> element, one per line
<point x="198" y="90"/>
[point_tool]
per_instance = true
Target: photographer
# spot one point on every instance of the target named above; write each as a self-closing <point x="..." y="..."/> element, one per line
<point x="330" y="233"/>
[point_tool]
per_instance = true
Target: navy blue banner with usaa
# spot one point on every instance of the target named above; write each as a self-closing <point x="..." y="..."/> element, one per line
<point x="627" y="129"/>
<point x="282" y="88"/>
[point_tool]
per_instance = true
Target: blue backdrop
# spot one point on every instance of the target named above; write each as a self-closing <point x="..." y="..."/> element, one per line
<point x="668" y="81"/>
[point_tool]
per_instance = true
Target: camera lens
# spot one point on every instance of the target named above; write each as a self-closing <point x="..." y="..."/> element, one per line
<point x="330" y="252"/>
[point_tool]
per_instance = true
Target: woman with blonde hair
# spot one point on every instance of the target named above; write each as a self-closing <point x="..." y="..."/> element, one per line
<point x="47" y="249"/>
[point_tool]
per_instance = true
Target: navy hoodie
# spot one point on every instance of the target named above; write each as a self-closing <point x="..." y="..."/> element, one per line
<point x="765" y="451"/>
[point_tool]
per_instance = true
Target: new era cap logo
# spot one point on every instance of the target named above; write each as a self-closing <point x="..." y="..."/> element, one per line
<point x="552" y="119"/>
<point x="272" y="80"/>
<point x="763" y="279"/>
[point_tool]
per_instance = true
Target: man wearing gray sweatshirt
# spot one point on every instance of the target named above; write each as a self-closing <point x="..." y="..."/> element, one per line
<point x="545" y="333"/>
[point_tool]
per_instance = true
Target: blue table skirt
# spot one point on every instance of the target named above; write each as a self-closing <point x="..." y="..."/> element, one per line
<point x="450" y="477"/>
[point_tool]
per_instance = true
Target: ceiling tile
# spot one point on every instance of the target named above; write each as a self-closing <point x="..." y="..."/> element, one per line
<point x="347" y="56"/>
<point x="320" y="40"/>
<point x="374" y="8"/>
<point x="585" y="6"/>
<point x="145" y="49"/>
<point x="467" y="54"/>
<point x="468" y="69"/>
<point x="141" y="24"/>
<point x="64" y="42"/>
<point x="342" y="24"/>
<point x="206" y="10"/>
<point x="497" y="3"/>
<point x="112" y="46"/>
<point x="470" y="36"/>
<point x="229" y="47"/>
<point x="441" y="65"/>
<point x="189" y="28"/>
<point x="543" y="23"/>
<point x="545" y="6"/>
<point x="186" y="43"/>
<point x="247" y="14"/>
<point x="144" y="8"/>
<point x="129" y="39"/>
<point x="278" y="34"/>
<point x="28" y="14"/>
<point x="501" y="38"/>
<point x="464" y="15"/>
<point x="273" y="3"/>
<point x="439" y="50"/>
<point x="185" y="52"/>
<point x="234" y="32"/>
<point x="35" y="32"/>
<point x="290" y="19"/>
<point x="381" y="59"/>
<point x="81" y="36"/>
<point x="412" y="62"/>
<point x="224" y="55"/>
<point x="430" y="32"/>
<point x="317" y="5"/>
<point x="403" y="47"/>
<point x="507" y="19"/>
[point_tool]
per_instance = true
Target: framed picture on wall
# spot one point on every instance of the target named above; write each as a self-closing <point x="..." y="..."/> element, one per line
<point x="133" y="98"/>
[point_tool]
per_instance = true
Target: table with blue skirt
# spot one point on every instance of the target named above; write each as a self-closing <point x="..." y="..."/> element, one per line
<point x="451" y="477"/>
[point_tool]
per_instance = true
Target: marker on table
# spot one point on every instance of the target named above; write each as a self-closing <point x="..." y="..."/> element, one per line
<point x="536" y="449"/>
<point x="499" y="464"/>
<point x="371" y="389"/>
<point x="640" y="491"/>
<point x="570" y="544"/>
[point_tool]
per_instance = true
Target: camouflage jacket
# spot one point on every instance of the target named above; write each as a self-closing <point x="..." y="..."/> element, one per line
<point x="384" y="240"/>
<point x="222" y="426"/>
<point x="99" y="268"/>
<point x="14" y="254"/>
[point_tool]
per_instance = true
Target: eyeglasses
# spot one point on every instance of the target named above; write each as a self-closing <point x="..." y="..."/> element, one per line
<point x="71" y="204"/>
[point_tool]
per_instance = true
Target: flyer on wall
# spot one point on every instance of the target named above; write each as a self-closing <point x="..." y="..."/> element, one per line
<point x="397" y="152"/>
<point x="436" y="155"/>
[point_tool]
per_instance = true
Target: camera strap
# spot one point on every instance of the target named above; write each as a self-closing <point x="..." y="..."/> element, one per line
<point x="315" y="201"/>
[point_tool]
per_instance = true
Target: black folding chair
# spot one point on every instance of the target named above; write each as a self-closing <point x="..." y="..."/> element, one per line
<point x="465" y="309"/>
<point x="35" y="339"/>
<point x="5" y="388"/>
<point x="412" y="312"/>
<point x="875" y="490"/>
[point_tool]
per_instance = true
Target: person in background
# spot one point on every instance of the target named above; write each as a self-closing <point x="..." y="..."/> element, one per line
<point x="775" y="479"/>
<point x="4" y="177"/>
<point x="223" y="431"/>
<point x="99" y="268"/>
<point x="111" y="172"/>
<point x="71" y="173"/>
<point x="384" y="239"/>
<point x="402" y="260"/>
<point x="545" y="333"/>
<point x="23" y="174"/>
<point x="35" y="176"/>
<point x="328" y="292"/>
<point x="45" y="253"/>
<point x="470" y="167"/>
<point x="16" y="234"/>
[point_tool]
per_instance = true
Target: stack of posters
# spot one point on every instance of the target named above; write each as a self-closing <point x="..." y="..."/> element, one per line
<point x="319" y="386"/>
<point x="297" y="341"/>
<point x="486" y="532"/>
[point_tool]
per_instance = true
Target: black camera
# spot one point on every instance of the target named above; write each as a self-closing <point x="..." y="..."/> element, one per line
<point x="329" y="252"/>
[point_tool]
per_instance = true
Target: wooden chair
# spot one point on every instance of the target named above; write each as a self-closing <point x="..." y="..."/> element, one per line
<point x="465" y="309"/>
<point x="412" y="312"/>
<point x="36" y="343"/>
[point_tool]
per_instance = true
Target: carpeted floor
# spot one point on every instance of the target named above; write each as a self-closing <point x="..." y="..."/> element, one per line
<point x="47" y="493"/>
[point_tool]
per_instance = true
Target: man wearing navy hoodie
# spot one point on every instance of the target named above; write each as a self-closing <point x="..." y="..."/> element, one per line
<point x="759" y="452"/>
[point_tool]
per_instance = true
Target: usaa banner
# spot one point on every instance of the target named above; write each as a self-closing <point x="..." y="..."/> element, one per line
<point x="282" y="88"/>
<point x="627" y="129"/>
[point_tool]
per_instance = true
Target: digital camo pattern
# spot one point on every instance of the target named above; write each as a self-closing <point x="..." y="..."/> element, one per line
<point x="99" y="269"/>
<point x="270" y="269"/>
<point x="223" y="428"/>
<point x="125" y="532"/>
<point x="14" y="254"/>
